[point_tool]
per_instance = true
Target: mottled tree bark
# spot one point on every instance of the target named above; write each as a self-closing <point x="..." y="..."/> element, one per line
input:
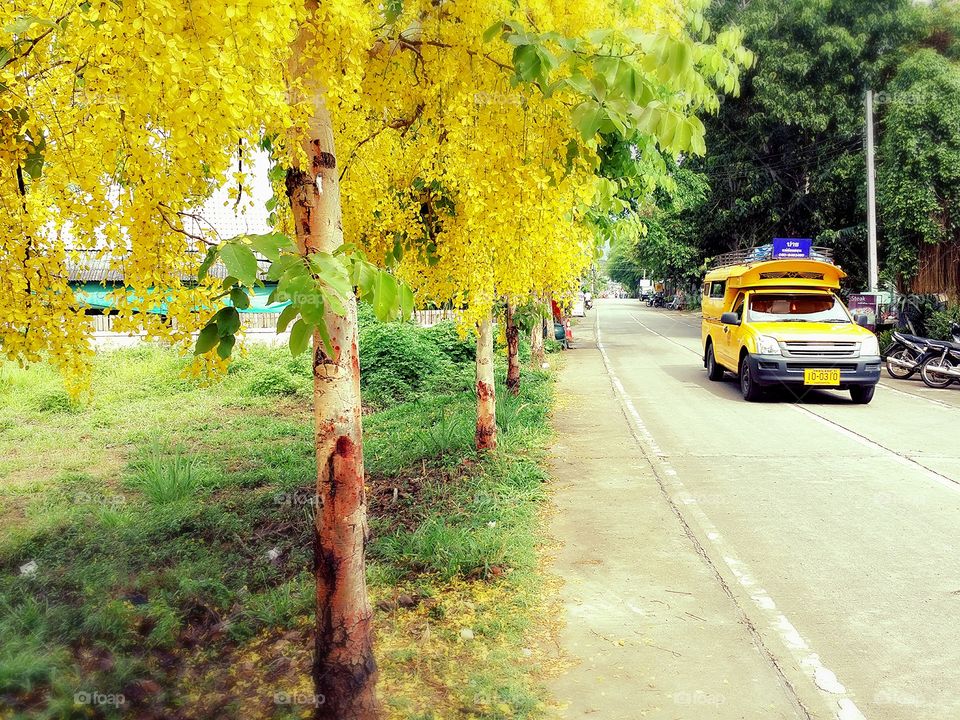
<point x="537" y="354"/>
<point x="344" y="669"/>
<point x="513" y="350"/>
<point x="486" y="435"/>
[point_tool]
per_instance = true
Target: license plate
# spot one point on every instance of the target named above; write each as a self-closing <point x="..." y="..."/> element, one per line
<point x="813" y="376"/>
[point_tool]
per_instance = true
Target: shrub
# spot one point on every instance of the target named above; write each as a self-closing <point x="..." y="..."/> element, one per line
<point x="57" y="401"/>
<point x="915" y="311"/>
<point x="551" y="346"/>
<point x="445" y="336"/>
<point x="940" y="322"/>
<point x="397" y="360"/>
<point x="885" y="338"/>
<point x="272" y="380"/>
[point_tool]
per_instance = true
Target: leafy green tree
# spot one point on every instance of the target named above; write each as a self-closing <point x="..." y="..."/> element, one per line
<point x="919" y="174"/>
<point x="786" y="157"/>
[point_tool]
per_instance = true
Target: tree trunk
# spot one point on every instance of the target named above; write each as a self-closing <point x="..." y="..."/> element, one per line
<point x="513" y="351"/>
<point x="537" y="355"/>
<point x="486" y="436"/>
<point x="344" y="670"/>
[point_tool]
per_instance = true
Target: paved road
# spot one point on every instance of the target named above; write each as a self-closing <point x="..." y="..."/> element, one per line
<point x="832" y="529"/>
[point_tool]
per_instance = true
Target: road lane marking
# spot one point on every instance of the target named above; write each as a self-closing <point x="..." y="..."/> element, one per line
<point x="649" y="329"/>
<point x="823" y="680"/>
<point x="941" y="403"/>
<point x="938" y="478"/>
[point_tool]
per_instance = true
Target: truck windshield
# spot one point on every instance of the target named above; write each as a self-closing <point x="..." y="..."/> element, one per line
<point x="797" y="308"/>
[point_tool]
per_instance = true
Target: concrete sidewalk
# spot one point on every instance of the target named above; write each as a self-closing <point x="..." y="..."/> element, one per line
<point x="649" y="627"/>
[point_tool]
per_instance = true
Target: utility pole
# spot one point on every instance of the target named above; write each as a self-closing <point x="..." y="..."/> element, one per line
<point x="872" y="272"/>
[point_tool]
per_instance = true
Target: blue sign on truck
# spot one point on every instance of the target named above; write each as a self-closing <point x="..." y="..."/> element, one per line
<point x="791" y="248"/>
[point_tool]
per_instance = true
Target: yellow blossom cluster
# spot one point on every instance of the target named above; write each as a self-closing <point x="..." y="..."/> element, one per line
<point x="140" y="109"/>
<point x="474" y="185"/>
<point x="119" y="119"/>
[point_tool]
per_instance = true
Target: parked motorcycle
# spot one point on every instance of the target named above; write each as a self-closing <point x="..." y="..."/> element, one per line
<point x="657" y="300"/>
<point x="943" y="366"/>
<point x="907" y="354"/>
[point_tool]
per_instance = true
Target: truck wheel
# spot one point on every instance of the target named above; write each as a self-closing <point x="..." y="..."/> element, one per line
<point x="714" y="370"/>
<point x="862" y="394"/>
<point x="752" y="392"/>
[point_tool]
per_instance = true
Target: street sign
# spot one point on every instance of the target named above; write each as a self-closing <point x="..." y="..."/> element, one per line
<point x="791" y="248"/>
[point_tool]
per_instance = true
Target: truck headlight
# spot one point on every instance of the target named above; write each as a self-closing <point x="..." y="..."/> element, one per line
<point x="870" y="347"/>
<point x="767" y="345"/>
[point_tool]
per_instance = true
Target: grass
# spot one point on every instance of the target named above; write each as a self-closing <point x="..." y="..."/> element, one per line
<point x="156" y="541"/>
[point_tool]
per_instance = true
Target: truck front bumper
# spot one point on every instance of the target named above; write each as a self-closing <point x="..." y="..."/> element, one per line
<point x="778" y="370"/>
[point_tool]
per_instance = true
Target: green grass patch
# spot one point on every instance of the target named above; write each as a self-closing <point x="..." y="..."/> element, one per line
<point x="158" y="534"/>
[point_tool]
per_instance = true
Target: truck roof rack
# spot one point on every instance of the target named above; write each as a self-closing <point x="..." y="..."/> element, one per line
<point x="763" y="253"/>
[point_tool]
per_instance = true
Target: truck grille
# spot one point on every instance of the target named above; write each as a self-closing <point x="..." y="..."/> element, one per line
<point x="820" y="349"/>
<point x="842" y="367"/>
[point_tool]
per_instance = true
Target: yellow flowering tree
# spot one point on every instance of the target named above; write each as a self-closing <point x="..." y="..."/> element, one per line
<point x="467" y="134"/>
<point x="475" y="171"/>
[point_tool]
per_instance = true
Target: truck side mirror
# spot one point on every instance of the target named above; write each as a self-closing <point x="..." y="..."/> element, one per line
<point x="730" y="318"/>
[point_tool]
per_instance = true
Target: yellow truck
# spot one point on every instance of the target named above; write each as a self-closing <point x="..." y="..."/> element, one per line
<point x="779" y="322"/>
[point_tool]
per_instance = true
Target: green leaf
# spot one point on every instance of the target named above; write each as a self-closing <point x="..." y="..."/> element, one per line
<point x="33" y="163"/>
<point x="587" y="118"/>
<point x="578" y="81"/>
<point x="300" y="337"/>
<point x="385" y="296"/>
<point x="392" y="10"/>
<point x="406" y="301"/>
<point x="334" y="303"/>
<point x="300" y="288"/>
<point x="240" y="262"/>
<point x="226" y="346"/>
<point x="324" y="332"/>
<point x="628" y="82"/>
<point x="239" y="298"/>
<point x="228" y="321"/>
<point x="332" y="273"/>
<point x="283" y="264"/>
<point x="207" y="339"/>
<point x="286" y="317"/>
<point x="312" y="307"/>
<point x="526" y="61"/>
<point x="366" y="279"/>
<point x="25" y="22"/>
<point x="208" y="260"/>
<point x="272" y="245"/>
<point x="608" y="67"/>
<point x="491" y="32"/>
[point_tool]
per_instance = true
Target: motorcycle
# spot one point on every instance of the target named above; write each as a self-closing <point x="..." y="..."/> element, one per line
<point x="907" y="354"/>
<point x="943" y="366"/>
<point x="656" y="300"/>
<point x="588" y="303"/>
